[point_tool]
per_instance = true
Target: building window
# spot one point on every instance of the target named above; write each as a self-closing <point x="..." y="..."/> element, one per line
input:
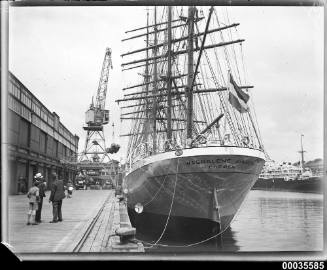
<point x="44" y="115"/>
<point x="26" y="113"/>
<point x="10" y="102"/>
<point x="56" y="123"/>
<point x="14" y="105"/>
<point x="26" y="99"/>
<point x="50" y="120"/>
<point x="10" y="87"/>
<point x="60" y="129"/>
<point x="36" y="108"/>
<point x="14" y="89"/>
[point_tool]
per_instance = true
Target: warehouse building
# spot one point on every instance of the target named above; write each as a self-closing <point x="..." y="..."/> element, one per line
<point x="37" y="140"/>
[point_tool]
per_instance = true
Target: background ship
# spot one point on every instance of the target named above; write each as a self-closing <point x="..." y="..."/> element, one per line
<point x="300" y="177"/>
<point x="288" y="177"/>
<point x="194" y="148"/>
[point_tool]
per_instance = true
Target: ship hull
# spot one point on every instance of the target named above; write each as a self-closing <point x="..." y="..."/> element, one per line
<point x="196" y="194"/>
<point x="310" y="185"/>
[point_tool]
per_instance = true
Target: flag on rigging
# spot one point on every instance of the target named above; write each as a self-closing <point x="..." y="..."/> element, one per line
<point x="237" y="97"/>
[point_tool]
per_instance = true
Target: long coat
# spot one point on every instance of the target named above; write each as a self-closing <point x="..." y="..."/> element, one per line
<point x="41" y="187"/>
<point x="57" y="191"/>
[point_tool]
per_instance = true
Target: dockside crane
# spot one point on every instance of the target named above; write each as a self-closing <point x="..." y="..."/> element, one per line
<point x="94" y="161"/>
<point x="96" y="117"/>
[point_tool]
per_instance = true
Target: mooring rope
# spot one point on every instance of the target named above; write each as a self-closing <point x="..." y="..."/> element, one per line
<point x="151" y="245"/>
<point x="171" y="207"/>
<point x="184" y="246"/>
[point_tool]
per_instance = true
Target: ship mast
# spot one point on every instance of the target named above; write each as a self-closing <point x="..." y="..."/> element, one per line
<point x="175" y="101"/>
<point x="155" y="79"/>
<point x="147" y="77"/>
<point x="169" y="100"/>
<point x="189" y="88"/>
<point x="302" y="154"/>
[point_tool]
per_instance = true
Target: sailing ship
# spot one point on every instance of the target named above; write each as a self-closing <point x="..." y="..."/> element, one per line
<point x="194" y="148"/>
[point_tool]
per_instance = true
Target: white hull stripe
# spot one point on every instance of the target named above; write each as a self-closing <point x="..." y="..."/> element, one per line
<point x="200" y="151"/>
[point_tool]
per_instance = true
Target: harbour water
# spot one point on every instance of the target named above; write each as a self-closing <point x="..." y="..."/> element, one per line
<point x="267" y="221"/>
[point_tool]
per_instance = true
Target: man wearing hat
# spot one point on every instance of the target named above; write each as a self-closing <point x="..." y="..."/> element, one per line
<point x="56" y="196"/>
<point x="39" y="178"/>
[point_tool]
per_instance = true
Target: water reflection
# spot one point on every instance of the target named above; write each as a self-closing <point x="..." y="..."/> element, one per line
<point x="287" y="221"/>
<point x="223" y="243"/>
<point x="267" y="221"/>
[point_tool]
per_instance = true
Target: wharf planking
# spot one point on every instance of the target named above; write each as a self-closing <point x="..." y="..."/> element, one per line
<point x="90" y="219"/>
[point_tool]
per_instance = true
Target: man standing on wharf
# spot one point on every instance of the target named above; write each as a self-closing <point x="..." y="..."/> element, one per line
<point x="56" y="196"/>
<point x="39" y="178"/>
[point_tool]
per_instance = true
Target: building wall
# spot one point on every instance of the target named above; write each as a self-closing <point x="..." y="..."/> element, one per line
<point x="38" y="141"/>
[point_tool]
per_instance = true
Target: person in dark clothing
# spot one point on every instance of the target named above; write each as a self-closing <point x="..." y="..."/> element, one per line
<point x="56" y="196"/>
<point x="39" y="178"/>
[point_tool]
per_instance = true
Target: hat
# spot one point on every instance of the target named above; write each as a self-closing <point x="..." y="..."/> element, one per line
<point x="38" y="175"/>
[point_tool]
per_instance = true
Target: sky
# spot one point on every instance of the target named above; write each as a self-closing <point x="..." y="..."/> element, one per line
<point x="57" y="53"/>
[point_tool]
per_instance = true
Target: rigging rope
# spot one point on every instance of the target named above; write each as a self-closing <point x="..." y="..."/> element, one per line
<point x="229" y="66"/>
<point x="221" y="96"/>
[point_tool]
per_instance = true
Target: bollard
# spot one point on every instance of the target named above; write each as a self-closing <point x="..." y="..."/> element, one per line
<point x="120" y="198"/>
<point x="126" y="234"/>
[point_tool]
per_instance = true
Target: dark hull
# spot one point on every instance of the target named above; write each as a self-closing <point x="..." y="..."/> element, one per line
<point x="311" y="185"/>
<point x="179" y="229"/>
<point x="194" y="196"/>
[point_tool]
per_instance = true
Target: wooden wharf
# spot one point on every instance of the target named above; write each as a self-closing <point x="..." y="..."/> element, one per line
<point x="90" y="220"/>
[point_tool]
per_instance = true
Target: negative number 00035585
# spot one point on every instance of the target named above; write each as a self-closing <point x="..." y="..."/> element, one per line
<point x="303" y="265"/>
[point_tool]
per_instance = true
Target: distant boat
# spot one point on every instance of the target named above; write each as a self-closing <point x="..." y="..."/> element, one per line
<point x="285" y="171"/>
<point x="194" y="149"/>
<point x="308" y="185"/>
<point x="289" y="177"/>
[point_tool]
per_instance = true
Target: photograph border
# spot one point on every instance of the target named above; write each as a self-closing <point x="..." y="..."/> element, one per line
<point x="219" y="256"/>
